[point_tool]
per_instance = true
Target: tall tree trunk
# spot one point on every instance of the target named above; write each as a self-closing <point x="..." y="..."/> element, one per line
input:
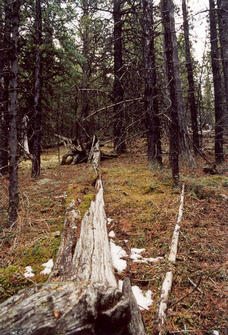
<point x="37" y="93"/>
<point x="87" y="130"/>
<point x="2" y="139"/>
<point x="223" y="30"/>
<point x="13" y="109"/>
<point x="166" y="7"/>
<point x="118" y="92"/>
<point x="219" y="156"/>
<point x="4" y="83"/>
<point x="191" y="92"/>
<point x="150" y="94"/>
<point x="184" y="145"/>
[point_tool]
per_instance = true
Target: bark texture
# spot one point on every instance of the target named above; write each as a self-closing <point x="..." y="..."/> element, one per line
<point x="4" y="83"/>
<point x="218" y="97"/>
<point x="166" y="10"/>
<point x="191" y="91"/>
<point x="37" y="93"/>
<point x="150" y="94"/>
<point x="13" y="110"/>
<point x="86" y="132"/>
<point x="223" y="29"/>
<point x="118" y="93"/>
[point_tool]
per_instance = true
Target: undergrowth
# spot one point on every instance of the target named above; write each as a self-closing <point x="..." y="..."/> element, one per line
<point x="143" y="206"/>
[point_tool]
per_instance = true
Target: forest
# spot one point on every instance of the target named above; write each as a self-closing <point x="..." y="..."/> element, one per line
<point x="113" y="167"/>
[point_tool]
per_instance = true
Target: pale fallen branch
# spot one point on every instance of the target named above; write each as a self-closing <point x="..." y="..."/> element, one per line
<point x="167" y="283"/>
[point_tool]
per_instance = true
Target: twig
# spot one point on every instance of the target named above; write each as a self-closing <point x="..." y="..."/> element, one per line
<point x="186" y="295"/>
<point x="195" y="285"/>
<point x="110" y="106"/>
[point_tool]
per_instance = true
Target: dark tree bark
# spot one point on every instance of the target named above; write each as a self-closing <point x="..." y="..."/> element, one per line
<point x="4" y="83"/>
<point x="118" y="93"/>
<point x="13" y="109"/>
<point x="150" y="94"/>
<point x="184" y="144"/>
<point x="219" y="156"/>
<point x="37" y="93"/>
<point x="223" y="30"/>
<point x="2" y="116"/>
<point x="172" y="86"/>
<point x="87" y="129"/>
<point x="191" y="92"/>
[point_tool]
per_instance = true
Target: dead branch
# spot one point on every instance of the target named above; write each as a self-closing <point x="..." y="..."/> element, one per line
<point x="167" y="283"/>
<point x="196" y="287"/>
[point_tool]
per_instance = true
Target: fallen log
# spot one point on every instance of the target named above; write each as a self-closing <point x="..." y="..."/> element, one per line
<point x="167" y="283"/>
<point x="81" y="296"/>
<point x="80" y="153"/>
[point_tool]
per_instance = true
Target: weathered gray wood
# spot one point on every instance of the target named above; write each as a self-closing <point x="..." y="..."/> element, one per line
<point x="63" y="263"/>
<point x="92" y="258"/>
<point x="64" y="308"/>
<point x="94" y="156"/>
<point x="136" y="325"/>
<point x="81" y="296"/>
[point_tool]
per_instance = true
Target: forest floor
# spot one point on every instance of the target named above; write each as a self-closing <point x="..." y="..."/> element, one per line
<point x="143" y="206"/>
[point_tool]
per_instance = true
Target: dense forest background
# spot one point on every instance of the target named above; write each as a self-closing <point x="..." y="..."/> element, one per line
<point x="120" y="81"/>
<point x="114" y="69"/>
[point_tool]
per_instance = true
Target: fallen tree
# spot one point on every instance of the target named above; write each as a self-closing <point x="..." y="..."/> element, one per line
<point x="80" y="152"/>
<point x="81" y="295"/>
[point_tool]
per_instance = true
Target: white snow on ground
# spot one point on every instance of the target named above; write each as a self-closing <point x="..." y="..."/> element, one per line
<point x="28" y="272"/>
<point x="117" y="254"/>
<point x="135" y="255"/>
<point x="143" y="298"/>
<point x="112" y="234"/>
<point x="109" y="220"/>
<point x="47" y="267"/>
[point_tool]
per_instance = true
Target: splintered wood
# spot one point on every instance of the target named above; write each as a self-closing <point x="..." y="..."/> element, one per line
<point x="81" y="296"/>
<point x="167" y="283"/>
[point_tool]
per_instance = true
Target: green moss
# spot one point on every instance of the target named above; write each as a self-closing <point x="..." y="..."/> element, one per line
<point x="72" y="192"/>
<point x="41" y="251"/>
<point x="85" y="204"/>
<point x="12" y="278"/>
<point x="11" y="281"/>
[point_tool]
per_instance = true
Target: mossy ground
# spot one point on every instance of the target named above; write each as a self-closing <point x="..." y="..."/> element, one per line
<point x="143" y="205"/>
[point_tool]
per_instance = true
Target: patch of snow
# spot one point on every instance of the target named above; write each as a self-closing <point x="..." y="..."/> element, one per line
<point x="215" y="332"/>
<point x="117" y="254"/>
<point x="109" y="220"/>
<point x="47" y="267"/>
<point x="150" y="259"/>
<point x="28" y="272"/>
<point x="135" y="255"/>
<point x="112" y="234"/>
<point x="143" y="298"/>
<point x="137" y="251"/>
